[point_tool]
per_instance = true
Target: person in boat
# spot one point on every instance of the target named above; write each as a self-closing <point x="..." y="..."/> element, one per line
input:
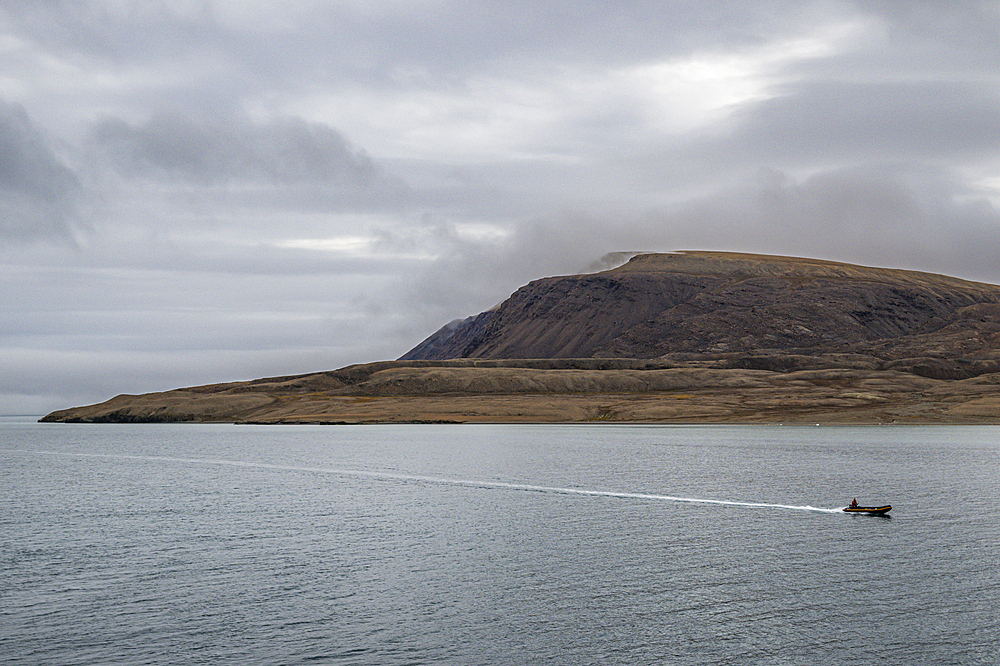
<point x="854" y="503"/>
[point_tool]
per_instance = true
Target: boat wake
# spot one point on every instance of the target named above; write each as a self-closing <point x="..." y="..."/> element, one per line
<point x="618" y="494"/>
<point x="468" y="483"/>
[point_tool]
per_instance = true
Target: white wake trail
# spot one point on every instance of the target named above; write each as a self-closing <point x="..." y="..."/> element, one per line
<point x="469" y="483"/>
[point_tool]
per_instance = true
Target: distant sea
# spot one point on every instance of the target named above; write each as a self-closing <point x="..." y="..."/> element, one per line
<point x="507" y="544"/>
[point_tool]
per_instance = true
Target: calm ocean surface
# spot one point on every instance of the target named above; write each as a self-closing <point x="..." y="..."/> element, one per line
<point x="212" y="544"/>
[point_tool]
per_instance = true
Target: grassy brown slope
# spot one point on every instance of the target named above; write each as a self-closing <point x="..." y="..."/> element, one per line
<point x="567" y="391"/>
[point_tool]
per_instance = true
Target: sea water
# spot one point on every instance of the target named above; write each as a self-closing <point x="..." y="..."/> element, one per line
<point x="490" y="544"/>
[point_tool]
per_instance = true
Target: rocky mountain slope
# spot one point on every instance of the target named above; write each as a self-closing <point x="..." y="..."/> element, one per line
<point x="686" y="337"/>
<point x="741" y="306"/>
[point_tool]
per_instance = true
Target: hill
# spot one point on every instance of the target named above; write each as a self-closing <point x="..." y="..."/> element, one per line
<point x="680" y="337"/>
<point x="739" y="305"/>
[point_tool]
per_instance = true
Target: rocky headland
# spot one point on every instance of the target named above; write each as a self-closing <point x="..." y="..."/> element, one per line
<point x="680" y="337"/>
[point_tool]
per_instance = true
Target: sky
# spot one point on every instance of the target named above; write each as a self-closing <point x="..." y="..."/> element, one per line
<point x="200" y="191"/>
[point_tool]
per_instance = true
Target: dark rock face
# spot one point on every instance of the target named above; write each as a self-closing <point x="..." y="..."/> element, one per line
<point x="462" y="335"/>
<point x="743" y="306"/>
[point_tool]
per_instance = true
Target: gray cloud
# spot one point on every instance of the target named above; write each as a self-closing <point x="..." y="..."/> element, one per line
<point x="285" y="151"/>
<point x="38" y="192"/>
<point x="964" y="22"/>
<point x="824" y="121"/>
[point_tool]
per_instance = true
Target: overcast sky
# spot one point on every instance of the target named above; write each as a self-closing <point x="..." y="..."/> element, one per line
<point x="213" y="190"/>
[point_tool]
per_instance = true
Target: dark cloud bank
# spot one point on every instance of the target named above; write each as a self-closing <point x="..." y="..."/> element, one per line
<point x="286" y="151"/>
<point x="38" y="193"/>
